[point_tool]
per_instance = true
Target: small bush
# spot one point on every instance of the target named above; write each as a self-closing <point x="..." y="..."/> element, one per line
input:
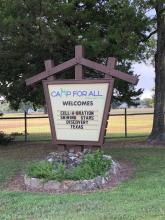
<point x="1" y="114"/>
<point x="14" y="134"/>
<point x="92" y="166"/>
<point x="46" y="170"/>
<point x="4" y="138"/>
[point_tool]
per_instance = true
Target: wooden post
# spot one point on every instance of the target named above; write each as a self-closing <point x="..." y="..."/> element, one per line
<point x="25" y="120"/>
<point x="125" y="116"/>
<point x="79" y="70"/>
<point x="49" y="64"/>
<point x="79" y="74"/>
<point x="111" y="64"/>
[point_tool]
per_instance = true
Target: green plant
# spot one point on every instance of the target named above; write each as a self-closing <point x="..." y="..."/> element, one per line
<point x="46" y="170"/>
<point x="5" y="139"/>
<point x="13" y="134"/>
<point x="93" y="165"/>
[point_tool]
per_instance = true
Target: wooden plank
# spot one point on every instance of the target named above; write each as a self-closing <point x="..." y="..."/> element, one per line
<point x="93" y="65"/>
<point x="66" y="65"/>
<point x="111" y="64"/>
<point x="114" y="73"/>
<point x="79" y="70"/>
<point x="49" y="64"/>
<point x="79" y="52"/>
<point x="124" y="76"/>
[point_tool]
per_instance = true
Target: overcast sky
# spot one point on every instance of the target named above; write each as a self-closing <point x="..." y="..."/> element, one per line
<point x="146" y="72"/>
<point x="146" y="79"/>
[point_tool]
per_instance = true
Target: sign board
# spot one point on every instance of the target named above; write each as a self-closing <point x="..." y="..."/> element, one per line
<point x="78" y="110"/>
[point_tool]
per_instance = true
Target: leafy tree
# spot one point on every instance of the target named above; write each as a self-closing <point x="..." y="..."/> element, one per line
<point x="148" y="102"/>
<point x="35" y="30"/>
<point x="158" y="130"/>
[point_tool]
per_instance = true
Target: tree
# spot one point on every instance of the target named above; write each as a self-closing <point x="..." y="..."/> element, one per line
<point x="33" y="31"/>
<point x="158" y="130"/>
<point x="148" y="102"/>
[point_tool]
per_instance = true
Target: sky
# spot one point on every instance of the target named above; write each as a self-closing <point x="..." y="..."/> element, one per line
<point x="146" y="78"/>
<point x="146" y="72"/>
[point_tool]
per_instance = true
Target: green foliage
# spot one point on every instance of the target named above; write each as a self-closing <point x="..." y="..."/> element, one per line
<point x="46" y="170"/>
<point x="5" y="139"/>
<point x="15" y="134"/>
<point x="33" y="31"/>
<point x="149" y="102"/>
<point x="93" y="165"/>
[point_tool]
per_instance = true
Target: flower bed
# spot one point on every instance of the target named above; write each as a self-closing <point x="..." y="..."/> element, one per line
<point x="70" y="171"/>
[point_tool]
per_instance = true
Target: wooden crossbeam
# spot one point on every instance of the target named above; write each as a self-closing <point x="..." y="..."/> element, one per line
<point x="66" y="65"/>
<point x="79" y="61"/>
<point x="112" y="72"/>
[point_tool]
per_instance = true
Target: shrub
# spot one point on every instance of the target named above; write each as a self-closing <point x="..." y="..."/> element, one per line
<point x="14" y="134"/>
<point x="46" y="170"/>
<point x="93" y="165"/>
<point x="4" y="138"/>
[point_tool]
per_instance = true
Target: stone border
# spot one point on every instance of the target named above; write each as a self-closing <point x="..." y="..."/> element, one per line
<point x="71" y="185"/>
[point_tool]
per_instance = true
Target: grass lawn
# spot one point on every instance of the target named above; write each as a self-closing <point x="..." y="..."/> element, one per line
<point x="140" y="197"/>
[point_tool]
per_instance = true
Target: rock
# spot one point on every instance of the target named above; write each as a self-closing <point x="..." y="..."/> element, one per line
<point x="27" y="181"/>
<point x="103" y="180"/>
<point x="70" y="160"/>
<point x="86" y="151"/>
<point x="114" y="168"/>
<point x="90" y="185"/>
<point x="33" y="183"/>
<point x="50" y="160"/>
<point x="107" y="157"/>
<point x="79" y="186"/>
<point x="66" y="185"/>
<point x="52" y="185"/>
<point x="98" y="181"/>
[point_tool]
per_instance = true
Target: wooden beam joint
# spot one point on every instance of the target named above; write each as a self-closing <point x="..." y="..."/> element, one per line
<point x="79" y="62"/>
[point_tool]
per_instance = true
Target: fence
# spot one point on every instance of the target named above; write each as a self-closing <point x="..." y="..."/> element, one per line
<point x="121" y="123"/>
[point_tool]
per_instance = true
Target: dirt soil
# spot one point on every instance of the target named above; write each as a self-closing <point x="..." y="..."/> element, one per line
<point x="125" y="172"/>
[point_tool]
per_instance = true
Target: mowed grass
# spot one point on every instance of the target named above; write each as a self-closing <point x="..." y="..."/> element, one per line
<point x="39" y="128"/>
<point x="140" y="197"/>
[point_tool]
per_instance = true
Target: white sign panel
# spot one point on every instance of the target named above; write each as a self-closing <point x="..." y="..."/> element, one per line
<point x="78" y="110"/>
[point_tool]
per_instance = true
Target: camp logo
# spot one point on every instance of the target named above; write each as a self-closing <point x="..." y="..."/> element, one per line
<point x="75" y="93"/>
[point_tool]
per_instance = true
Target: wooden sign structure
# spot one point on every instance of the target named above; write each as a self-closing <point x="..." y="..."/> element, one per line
<point x="78" y="109"/>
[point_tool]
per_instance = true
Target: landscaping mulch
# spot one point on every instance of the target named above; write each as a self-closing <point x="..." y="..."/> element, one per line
<point x="16" y="183"/>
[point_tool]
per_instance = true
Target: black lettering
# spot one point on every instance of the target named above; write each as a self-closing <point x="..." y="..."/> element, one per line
<point x="77" y="127"/>
<point x="77" y="103"/>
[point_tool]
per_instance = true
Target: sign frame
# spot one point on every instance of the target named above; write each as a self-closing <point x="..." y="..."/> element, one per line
<point x="104" y="122"/>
